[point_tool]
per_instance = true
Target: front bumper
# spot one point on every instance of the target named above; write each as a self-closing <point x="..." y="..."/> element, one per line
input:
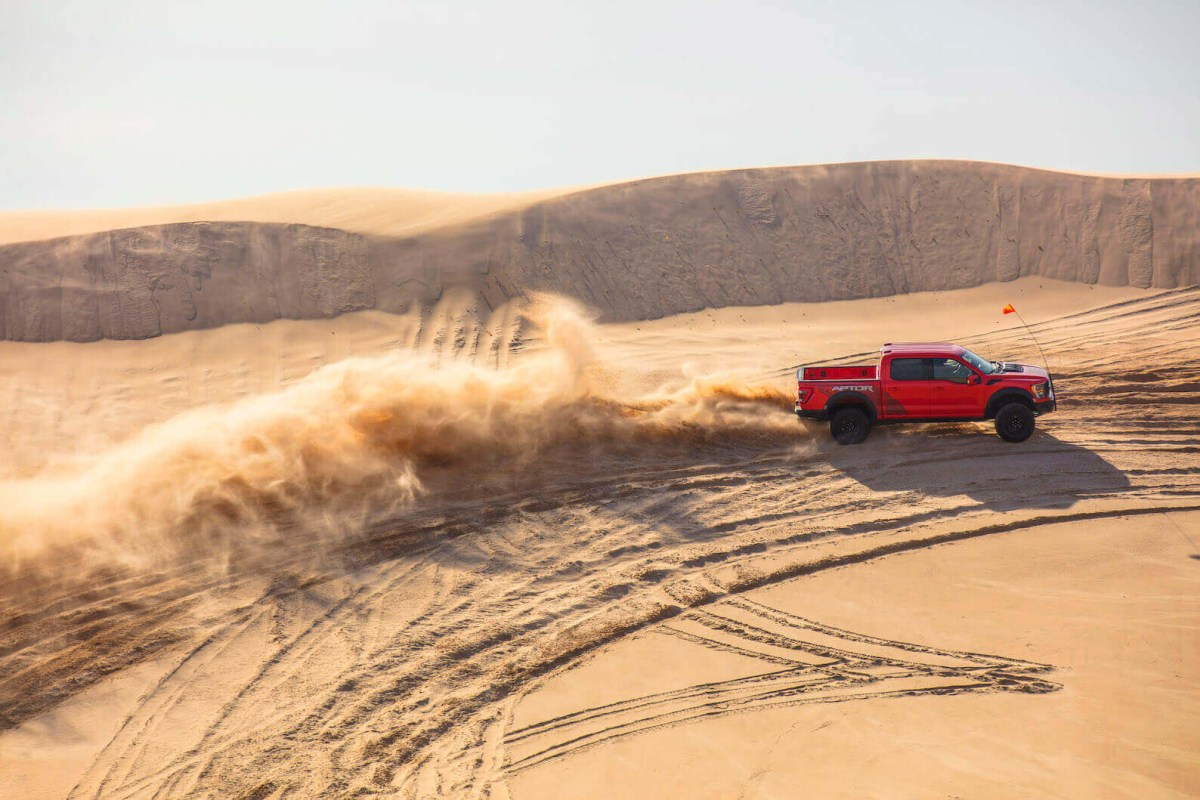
<point x="1051" y="401"/>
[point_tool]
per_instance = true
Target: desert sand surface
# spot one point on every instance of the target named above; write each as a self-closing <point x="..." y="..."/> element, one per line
<point x="539" y="548"/>
<point x="879" y="678"/>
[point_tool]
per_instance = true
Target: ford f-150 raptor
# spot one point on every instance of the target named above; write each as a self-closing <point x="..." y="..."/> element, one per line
<point x="925" y="383"/>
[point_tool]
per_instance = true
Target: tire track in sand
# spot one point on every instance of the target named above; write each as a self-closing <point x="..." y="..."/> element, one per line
<point x="828" y="665"/>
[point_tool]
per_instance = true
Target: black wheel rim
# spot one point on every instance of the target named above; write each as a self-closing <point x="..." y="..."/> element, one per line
<point x="1015" y="424"/>
<point x="849" y="427"/>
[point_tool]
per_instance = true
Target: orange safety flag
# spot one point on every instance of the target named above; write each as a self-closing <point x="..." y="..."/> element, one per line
<point x="1008" y="309"/>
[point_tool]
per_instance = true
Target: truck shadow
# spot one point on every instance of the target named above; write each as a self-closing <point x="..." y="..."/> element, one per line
<point x="967" y="459"/>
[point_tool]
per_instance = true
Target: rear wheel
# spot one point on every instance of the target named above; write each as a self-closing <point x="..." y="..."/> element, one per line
<point x="850" y="425"/>
<point x="1014" y="422"/>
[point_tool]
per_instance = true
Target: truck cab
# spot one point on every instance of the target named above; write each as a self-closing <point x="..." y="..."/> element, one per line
<point x="925" y="382"/>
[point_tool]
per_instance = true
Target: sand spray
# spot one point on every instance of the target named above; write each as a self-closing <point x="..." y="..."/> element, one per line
<point x="351" y="444"/>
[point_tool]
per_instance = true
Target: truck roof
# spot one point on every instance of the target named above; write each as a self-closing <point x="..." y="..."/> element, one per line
<point x="939" y="348"/>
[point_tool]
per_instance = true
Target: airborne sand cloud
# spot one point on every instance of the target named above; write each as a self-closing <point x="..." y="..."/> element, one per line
<point x="350" y="444"/>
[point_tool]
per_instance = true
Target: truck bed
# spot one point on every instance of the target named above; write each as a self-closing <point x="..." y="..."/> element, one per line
<point x="868" y="372"/>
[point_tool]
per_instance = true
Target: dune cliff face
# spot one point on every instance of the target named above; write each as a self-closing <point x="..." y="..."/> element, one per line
<point x="632" y="251"/>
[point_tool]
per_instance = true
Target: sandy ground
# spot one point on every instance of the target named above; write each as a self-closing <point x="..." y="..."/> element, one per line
<point x="877" y="679"/>
<point x="714" y="602"/>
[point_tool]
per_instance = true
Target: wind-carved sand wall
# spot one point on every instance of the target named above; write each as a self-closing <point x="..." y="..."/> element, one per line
<point x="632" y="251"/>
<point x="142" y="282"/>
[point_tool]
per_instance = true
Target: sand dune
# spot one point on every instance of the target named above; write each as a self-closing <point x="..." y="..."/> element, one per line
<point x="631" y="251"/>
<point x="457" y="539"/>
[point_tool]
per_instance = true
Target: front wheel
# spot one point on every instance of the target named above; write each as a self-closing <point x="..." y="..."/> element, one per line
<point x="1014" y="422"/>
<point x="850" y="426"/>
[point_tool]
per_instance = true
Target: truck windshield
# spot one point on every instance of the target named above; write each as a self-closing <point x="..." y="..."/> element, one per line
<point x="981" y="364"/>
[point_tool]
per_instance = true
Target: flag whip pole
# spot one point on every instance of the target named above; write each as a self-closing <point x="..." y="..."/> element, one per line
<point x="1010" y="309"/>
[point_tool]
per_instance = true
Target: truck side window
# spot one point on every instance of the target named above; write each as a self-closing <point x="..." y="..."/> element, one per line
<point x="948" y="369"/>
<point x="907" y="369"/>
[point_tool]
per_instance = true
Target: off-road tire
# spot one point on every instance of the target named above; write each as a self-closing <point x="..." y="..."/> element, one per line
<point x="849" y="425"/>
<point x="1014" y="422"/>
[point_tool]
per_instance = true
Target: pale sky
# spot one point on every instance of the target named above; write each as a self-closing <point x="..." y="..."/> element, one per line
<point x="138" y="102"/>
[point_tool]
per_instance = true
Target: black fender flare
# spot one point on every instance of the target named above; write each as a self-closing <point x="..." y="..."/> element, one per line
<point x="851" y="398"/>
<point x="1008" y="395"/>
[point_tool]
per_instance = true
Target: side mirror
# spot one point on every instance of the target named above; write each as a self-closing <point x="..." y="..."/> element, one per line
<point x="974" y="380"/>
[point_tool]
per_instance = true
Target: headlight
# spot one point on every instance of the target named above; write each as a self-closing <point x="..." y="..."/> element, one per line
<point x="1039" y="390"/>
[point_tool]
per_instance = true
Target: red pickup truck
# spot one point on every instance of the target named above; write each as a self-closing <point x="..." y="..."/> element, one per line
<point x="925" y="383"/>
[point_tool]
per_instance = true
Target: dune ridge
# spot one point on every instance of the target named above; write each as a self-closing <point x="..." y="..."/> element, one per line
<point x="637" y="250"/>
<point x="377" y="211"/>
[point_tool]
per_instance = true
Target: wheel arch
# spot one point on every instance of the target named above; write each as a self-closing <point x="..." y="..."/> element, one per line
<point x="850" y="398"/>
<point x="1009" y="395"/>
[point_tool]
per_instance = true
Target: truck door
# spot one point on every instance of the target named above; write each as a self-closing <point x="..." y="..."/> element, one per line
<point x="906" y="388"/>
<point x="956" y="390"/>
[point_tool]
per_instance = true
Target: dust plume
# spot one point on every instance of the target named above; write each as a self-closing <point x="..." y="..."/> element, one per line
<point x="353" y="443"/>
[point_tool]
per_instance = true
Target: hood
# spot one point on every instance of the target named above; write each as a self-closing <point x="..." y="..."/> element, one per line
<point x="1028" y="369"/>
